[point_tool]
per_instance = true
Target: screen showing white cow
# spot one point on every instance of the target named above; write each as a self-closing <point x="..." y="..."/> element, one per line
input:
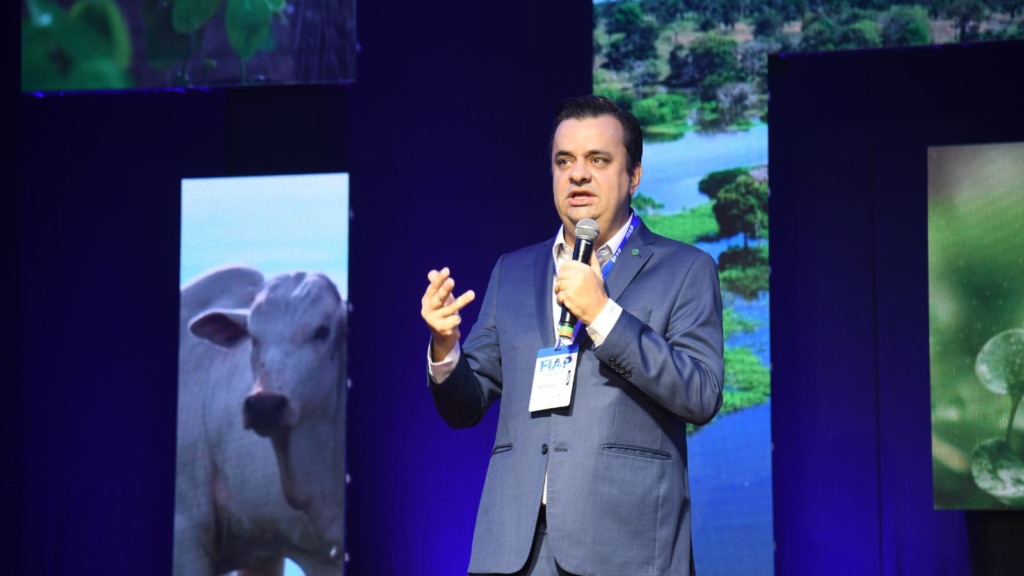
<point x="262" y="376"/>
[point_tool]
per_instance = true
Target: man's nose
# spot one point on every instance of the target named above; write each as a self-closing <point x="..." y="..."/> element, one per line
<point x="579" y="173"/>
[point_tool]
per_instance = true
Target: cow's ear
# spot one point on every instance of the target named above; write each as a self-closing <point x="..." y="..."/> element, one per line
<point x="226" y="328"/>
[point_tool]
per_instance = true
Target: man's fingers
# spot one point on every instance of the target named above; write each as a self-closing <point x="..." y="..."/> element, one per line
<point x="447" y="326"/>
<point x="439" y="307"/>
<point x="437" y="278"/>
<point x="444" y="293"/>
<point x="433" y="296"/>
<point x="459" y="303"/>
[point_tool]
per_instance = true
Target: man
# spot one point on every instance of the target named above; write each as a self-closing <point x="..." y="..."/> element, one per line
<point x="594" y="483"/>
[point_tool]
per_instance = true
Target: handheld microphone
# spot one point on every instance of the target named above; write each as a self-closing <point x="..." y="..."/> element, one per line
<point x="586" y="233"/>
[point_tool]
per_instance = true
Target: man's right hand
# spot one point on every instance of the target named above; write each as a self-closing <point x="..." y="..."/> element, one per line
<point x="440" y="310"/>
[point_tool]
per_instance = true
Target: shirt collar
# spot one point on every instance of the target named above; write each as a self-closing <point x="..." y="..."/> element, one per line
<point x="603" y="252"/>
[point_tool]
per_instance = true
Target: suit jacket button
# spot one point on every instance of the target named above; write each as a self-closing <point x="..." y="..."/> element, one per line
<point x="544" y="449"/>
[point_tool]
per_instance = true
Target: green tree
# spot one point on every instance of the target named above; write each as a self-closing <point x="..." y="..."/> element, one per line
<point x="1009" y="7"/>
<point x="860" y="34"/>
<point x="906" y="26"/>
<point x="661" y="109"/>
<point x="753" y="57"/>
<point x="664" y="11"/>
<point x="711" y="184"/>
<point x="789" y="10"/>
<point x="969" y="15"/>
<point x="645" y="205"/>
<point x="623" y="98"/>
<point x="822" y="33"/>
<point x="733" y="102"/>
<point x="632" y="36"/>
<point x="819" y="33"/>
<point x="744" y="271"/>
<point x="937" y="8"/>
<point x="708" y="55"/>
<point x="624" y="17"/>
<point x="742" y="207"/>
<point x="768" y="24"/>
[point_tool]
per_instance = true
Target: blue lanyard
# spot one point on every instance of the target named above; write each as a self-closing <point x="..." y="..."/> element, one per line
<point x="607" y="268"/>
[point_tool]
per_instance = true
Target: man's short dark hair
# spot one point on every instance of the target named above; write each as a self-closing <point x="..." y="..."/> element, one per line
<point x="592" y="106"/>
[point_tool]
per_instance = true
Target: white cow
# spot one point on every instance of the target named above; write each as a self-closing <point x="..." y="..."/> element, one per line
<point x="261" y="424"/>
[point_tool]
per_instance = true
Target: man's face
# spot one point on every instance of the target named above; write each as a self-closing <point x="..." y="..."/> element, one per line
<point x="588" y="165"/>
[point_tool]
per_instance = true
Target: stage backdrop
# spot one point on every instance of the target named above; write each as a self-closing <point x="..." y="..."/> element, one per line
<point x="852" y="420"/>
<point x="695" y="75"/>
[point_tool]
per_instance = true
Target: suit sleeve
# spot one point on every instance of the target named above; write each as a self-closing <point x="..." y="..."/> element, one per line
<point x="475" y="383"/>
<point x="683" y="369"/>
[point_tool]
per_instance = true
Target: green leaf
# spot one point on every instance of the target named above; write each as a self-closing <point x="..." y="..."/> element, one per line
<point x="165" y="47"/>
<point x="1000" y="364"/>
<point x="39" y="70"/>
<point x="98" y="75"/>
<point x="248" y="23"/>
<point x="998" y="471"/>
<point x="190" y="15"/>
<point x="88" y="48"/>
<point x="107" y="35"/>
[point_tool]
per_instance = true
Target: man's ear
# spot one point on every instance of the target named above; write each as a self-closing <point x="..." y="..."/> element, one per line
<point x="634" y="179"/>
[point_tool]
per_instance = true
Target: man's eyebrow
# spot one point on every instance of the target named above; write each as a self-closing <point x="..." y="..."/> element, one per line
<point x="587" y="154"/>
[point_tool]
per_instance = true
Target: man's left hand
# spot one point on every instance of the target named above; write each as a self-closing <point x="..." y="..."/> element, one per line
<point x="580" y="288"/>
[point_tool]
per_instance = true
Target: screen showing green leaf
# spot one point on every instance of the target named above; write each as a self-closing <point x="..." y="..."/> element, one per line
<point x="116" y="45"/>
<point x="976" y="324"/>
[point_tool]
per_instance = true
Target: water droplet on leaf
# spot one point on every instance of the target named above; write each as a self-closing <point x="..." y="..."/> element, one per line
<point x="1000" y="364"/>
<point x="998" y="471"/>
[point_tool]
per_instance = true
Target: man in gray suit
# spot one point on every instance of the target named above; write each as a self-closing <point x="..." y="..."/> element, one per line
<point x="593" y="483"/>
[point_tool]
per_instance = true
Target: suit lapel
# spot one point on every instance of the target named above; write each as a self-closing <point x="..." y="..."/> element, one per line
<point x="631" y="260"/>
<point x="543" y="272"/>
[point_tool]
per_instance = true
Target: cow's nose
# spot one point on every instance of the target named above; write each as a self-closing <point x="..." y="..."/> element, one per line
<point x="264" y="412"/>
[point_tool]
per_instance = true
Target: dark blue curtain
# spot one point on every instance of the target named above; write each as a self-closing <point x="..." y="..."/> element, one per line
<point x="849" y="284"/>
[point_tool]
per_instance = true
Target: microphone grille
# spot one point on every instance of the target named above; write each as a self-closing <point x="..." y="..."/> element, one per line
<point x="586" y="229"/>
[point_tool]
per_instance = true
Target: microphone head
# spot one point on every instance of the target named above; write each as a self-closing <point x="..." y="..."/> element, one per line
<point x="586" y="229"/>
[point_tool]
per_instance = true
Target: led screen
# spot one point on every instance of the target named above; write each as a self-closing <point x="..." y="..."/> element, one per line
<point x="976" y="324"/>
<point x="104" y="45"/>
<point x="262" y="375"/>
<point x="695" y="75"/>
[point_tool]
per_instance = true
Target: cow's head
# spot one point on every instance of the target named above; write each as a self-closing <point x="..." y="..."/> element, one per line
<point x="297" y="329"/>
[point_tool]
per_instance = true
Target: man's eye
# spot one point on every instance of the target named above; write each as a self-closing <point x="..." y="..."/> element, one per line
<point x="562" y="162"/>
<point x="600" y="160"/>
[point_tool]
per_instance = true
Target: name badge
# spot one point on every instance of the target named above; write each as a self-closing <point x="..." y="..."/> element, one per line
<point x="553" y="378"/>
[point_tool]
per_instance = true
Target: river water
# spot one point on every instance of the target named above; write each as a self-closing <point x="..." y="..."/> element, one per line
<point x="673" y="169"/>
<point x="730" y="459"/>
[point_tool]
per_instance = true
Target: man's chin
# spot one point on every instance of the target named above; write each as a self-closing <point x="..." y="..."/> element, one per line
<point x="576" y="213"/>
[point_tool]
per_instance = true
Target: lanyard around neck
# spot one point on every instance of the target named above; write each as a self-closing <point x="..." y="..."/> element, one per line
<point x="606" y="269"/>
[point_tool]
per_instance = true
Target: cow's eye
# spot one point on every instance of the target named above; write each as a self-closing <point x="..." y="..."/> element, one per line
<point x="321" y="333"/>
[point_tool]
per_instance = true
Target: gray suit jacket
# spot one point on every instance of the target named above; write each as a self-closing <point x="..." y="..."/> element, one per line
<point x="618" y="496"/>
